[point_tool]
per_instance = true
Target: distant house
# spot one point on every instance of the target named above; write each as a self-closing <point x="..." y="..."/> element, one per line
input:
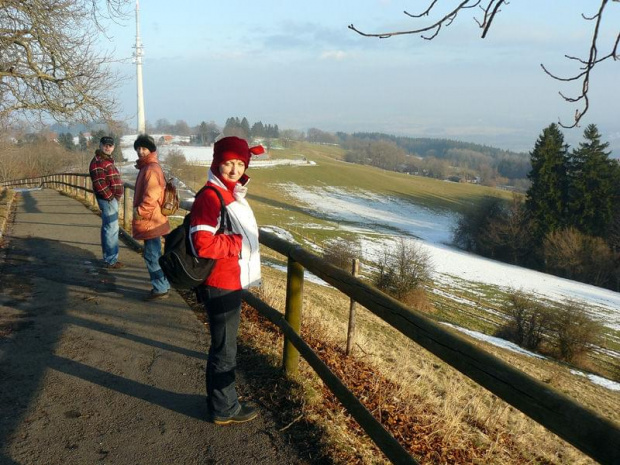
<point x="51" y="136"/>
<point x="87" y="135"/>
<point x="165" y="139"/>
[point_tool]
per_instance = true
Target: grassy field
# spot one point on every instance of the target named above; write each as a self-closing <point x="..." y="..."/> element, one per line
<point x="456" y="421"/>
<point x="330" y="170"/>
<point x="273" y="206"/>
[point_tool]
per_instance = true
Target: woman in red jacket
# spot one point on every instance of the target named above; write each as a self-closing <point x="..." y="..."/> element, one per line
<point x="237" y="267"/>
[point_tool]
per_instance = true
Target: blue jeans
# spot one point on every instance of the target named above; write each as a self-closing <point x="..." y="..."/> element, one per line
<point x="224" y="311"/>
<point x="152" y="252"/>
<point x="109" y="230"/>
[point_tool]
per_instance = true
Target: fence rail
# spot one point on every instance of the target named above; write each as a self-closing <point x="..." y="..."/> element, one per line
<point x="594" y="435"/>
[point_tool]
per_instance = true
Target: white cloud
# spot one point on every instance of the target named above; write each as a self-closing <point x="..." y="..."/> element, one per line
<point x="337" y="55"/>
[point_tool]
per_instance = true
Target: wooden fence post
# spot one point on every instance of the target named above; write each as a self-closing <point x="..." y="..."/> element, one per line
<point x="127" y="210"/>
<point x="292" y="314"/>
<point x="355" y="268"/>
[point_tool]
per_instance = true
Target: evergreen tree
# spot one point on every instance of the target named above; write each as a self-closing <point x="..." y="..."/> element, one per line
<point x="203" y="133"/>
<point x="95" y="137"/>
<point x="258" y="129"/>
<point x="206" y="133"/>
<point x="229" y="126"/>
<point x="82" y="142"/>
<point x="547" y="197"/>
<point x="66" y="140"/>
<point x="592" y="188"/>
<point x="245" y="127"/>
<point x="233" y="128"/>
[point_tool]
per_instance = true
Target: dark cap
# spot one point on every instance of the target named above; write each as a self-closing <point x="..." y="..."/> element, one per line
<point x="144" y="140"/>
<point x="106" y="140"/>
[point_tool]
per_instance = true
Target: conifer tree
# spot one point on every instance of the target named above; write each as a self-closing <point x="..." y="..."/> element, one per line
<point x="258" y="130"/>
<point x="66" y="140"/>
<point x="203" y="133"/>
<point x="83" y="142"/>
<point x="547" y="197"/>
<point x="592" y="188"/>
<point x="245" y="127"/>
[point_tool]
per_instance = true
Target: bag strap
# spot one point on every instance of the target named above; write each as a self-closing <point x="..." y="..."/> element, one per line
<point x="224" y="218"/>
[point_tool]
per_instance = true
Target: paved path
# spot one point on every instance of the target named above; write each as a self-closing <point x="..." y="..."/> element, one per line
<point x="89" y="373"/>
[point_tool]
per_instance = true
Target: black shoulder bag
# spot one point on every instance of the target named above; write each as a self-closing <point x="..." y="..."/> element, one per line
<point x="182" y="268"/>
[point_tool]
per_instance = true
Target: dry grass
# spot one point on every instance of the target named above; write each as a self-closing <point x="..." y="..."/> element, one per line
<point x="6" y="201"/>
<point x="438" y="414"/>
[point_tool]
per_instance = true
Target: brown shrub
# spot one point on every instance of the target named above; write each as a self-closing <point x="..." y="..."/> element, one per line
<point x="418" y="300"/>
<point x="528" y="323"/>
<point x="575" y="332"/>
<point x="574" y="255"/>
<point x="342" y="252"/>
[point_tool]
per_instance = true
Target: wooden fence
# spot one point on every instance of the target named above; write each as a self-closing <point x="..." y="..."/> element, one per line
<point x="594" y="435"/>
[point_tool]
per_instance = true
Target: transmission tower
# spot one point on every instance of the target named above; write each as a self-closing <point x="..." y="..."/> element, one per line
<point x="138" y="54"/>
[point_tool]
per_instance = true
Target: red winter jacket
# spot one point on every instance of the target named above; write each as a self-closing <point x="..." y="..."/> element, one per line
<point x="236" y="252"/>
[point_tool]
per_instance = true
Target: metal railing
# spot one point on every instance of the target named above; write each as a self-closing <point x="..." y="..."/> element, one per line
<point x="594" y="435"/>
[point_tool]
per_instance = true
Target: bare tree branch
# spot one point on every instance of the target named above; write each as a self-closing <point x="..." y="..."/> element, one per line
<point x="588" y="65"/>
<point x="445" y="21"/>
<point x="490" y="9"/>
<point x="49" y="63"/>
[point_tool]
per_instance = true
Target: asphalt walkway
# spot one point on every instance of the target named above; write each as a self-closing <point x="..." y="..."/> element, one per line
<point x="89" y="373"/>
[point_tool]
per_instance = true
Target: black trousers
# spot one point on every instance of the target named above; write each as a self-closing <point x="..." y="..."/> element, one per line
<point x="223" y="308"/>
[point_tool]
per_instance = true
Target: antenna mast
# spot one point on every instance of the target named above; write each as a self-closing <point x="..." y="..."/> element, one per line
<point x="138" y="54"/>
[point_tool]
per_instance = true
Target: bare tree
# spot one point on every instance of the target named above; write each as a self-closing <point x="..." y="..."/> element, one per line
<point x="404" y="268"/>
<point x="34" y="156"/>
<point x="49" y="64"/>
<point x="489" y="9"/>
<point x="528" y="321"/>
<point x="176" y="161"/>
<point x="341" y="252"/>
<point x="508" y="236"/>
<point x="576" y="332"/>
<point x="9" y="162"/>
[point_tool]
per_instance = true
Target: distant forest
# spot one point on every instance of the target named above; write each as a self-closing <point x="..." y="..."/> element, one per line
<point x="438" y="158"/>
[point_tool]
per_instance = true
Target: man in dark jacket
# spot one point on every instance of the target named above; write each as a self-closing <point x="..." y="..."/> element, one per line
<point x="108" y="189"/>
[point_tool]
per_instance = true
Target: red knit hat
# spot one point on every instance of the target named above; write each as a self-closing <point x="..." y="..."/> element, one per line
<point x="233" y="148"/>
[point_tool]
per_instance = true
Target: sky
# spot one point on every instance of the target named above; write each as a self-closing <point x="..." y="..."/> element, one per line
<point x="296" y="64"/>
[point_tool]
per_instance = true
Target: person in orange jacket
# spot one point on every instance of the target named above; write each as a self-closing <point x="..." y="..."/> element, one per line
<point x="149" y="223"/>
